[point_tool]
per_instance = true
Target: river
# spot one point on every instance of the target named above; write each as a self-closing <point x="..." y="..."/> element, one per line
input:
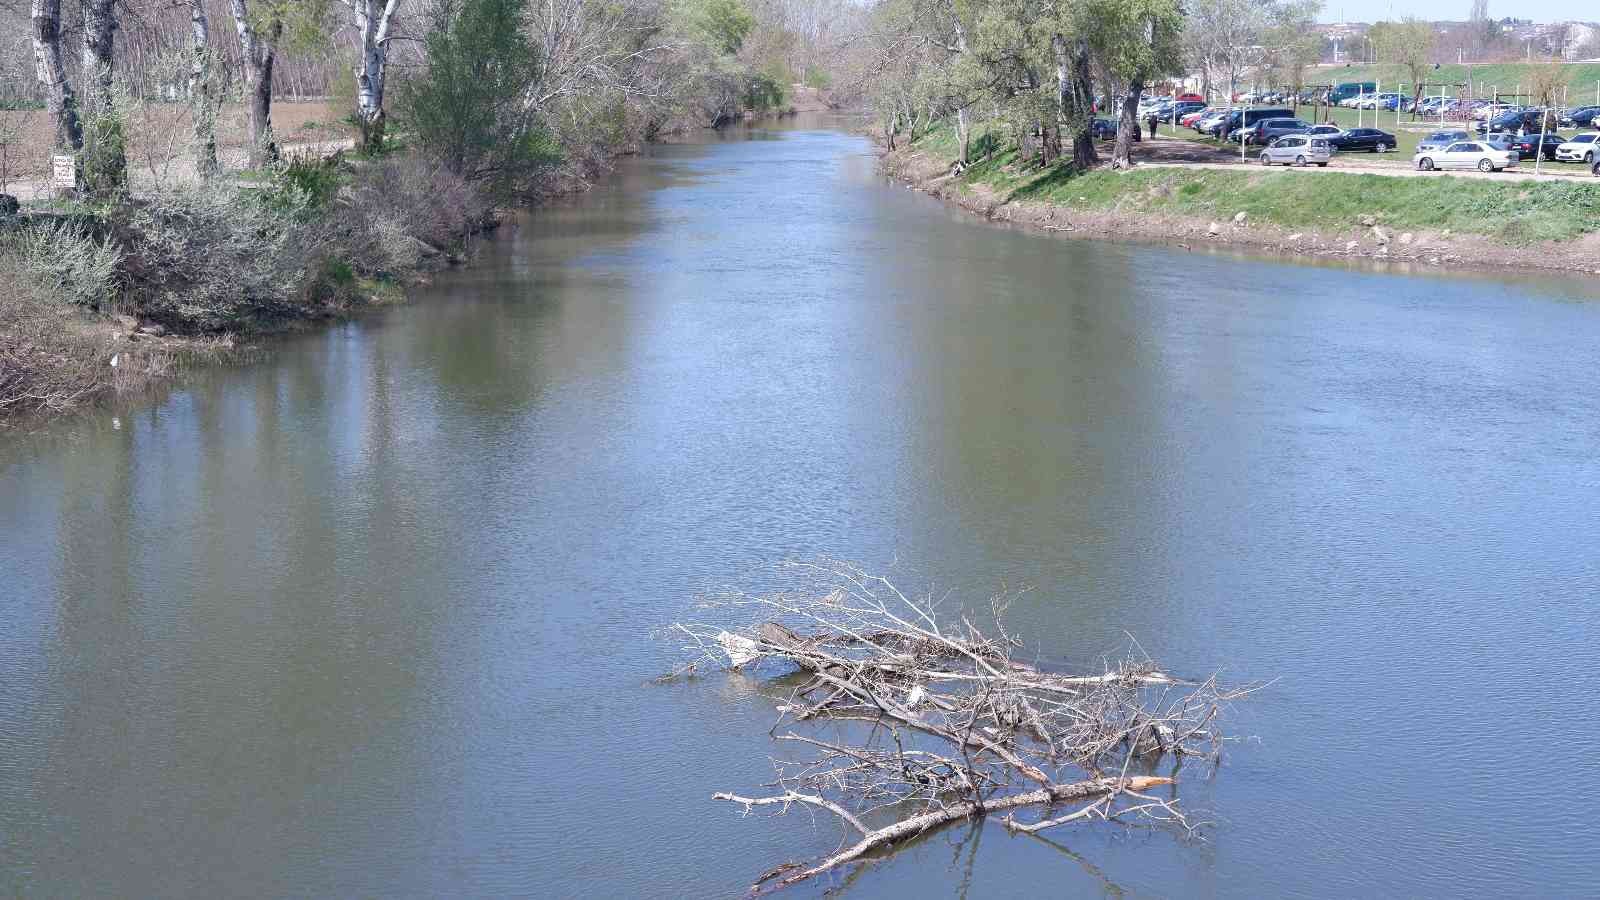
<point x="378" y="614"/>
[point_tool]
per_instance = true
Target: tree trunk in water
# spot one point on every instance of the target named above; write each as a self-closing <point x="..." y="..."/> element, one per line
<point x="62" y="103"/>
<point x="1127" y="126"/>
<point x="260" y="52"/>
<point x="202" y="91"/>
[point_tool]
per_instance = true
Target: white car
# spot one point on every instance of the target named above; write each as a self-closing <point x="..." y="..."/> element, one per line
<point x="1584" y="148"/>
<point x="1480" y="155"/>
<point x="1324" y="131"/>
<point x="1297" y="150"/>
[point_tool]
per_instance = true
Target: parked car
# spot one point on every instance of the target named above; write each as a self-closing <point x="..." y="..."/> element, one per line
<point x="1529" y="145"/>
<point x="1268" y="130"/>
<point x="1369" y="139"/>
<point x="1514" y="120"/>
<point x="1480" y="155"/>
<point x="1324" y="130"/>
<point x="1210" y="123"/>
<point x="1583" y="148"/>
<point x="1297" y="150"/>
<point x="1177" y="109"/>
<point x="1189" y="120"/>
<point x="1247" y="118"/>
<point x="1582" y="117"/>
<point x="1103" y="129"/>
<point x="1439" y="140"/>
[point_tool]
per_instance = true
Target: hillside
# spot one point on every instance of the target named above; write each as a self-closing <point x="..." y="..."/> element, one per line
<point x="1583" y="79"/>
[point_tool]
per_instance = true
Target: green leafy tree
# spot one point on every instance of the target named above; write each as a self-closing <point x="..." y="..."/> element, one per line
<point x="1136" y="41"/>
<point x="1408" y="44"/>
<point x="467" y="107"/>
<point x="722" y="24"/>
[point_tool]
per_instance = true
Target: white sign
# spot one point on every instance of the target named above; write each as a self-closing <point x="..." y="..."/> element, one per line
<point x="65" y="172"/>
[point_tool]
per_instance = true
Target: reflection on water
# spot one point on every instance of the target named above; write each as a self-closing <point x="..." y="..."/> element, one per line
<point x="375" y="616"/>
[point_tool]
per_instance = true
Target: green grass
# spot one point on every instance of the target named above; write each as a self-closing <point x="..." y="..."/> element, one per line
<point x="1581" y="77"/>
<point x="1517" y="213"/>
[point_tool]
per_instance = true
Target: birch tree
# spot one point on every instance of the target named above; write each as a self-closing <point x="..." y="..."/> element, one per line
<point x="60" y="100"/>
<point x="204" y="95"/>
<point x="372" y="19"/>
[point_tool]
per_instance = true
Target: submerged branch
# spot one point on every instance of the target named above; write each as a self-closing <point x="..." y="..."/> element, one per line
<point x="940" y="722"/>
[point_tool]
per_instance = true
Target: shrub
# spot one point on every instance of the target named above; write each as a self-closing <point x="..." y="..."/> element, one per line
<point x="428" y="201"/>
<point x="465" y="108"/>
<point x="211" y="256"/>
<point x="104" y="158"/>
<point x="66" y="263"/>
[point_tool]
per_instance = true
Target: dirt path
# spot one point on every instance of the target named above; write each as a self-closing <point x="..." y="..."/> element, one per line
<point x="180" y="170"/>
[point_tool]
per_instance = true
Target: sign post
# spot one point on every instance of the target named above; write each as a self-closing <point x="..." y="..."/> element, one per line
<point x="64" y="173"/>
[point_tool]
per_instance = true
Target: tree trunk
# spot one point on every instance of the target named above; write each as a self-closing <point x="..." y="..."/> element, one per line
<point x="373" y="24"/>
<point x="955" y="812"/>
<point x="99" y="36"/>
<point x="260" y="52"/>
<point x="59" y="98"/>
<point x="105" y="155"/>
<point x="1075" y="99"/>
<point x="1127" y="126"/>
<point x="964" y="134"/>
<point x="202" y="91"/>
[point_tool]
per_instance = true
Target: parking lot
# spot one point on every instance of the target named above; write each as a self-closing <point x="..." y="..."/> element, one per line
<point x="1206" y="150"/>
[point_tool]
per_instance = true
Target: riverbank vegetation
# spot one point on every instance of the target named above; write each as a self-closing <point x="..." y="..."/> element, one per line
<point x="1514" y="213"/>
<point x="452" y="111"/>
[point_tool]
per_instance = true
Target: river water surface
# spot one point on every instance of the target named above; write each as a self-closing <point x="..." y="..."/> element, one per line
<point x="377" y="615"/>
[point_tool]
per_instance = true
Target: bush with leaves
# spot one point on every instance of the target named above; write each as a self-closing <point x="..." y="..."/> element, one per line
<point x="466" y="107"/>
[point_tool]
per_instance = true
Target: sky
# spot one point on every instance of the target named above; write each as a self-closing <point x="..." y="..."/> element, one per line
<point x="1537" y="10"/>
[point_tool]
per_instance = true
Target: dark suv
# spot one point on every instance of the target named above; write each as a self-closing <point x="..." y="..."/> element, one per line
<point x="1269" y="130"/>
<point x="1245" y="118"/>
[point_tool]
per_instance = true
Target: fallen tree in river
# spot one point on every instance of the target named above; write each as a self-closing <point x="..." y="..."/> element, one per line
<point x="912" y="722"/>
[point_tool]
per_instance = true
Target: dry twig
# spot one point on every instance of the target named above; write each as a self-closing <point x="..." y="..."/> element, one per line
<point x="940" y="721"/>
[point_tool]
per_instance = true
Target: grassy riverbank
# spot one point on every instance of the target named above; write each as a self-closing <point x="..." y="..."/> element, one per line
<point x="1444" y="220"/>
<point x="112" y="298"/>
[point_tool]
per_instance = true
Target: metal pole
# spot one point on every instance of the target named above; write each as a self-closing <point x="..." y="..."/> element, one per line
<point x="1538" y="154"/>
<point x="1243" y="118"/>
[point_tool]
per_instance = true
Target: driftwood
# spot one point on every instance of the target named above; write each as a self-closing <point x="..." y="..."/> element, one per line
<point x="942" y="722"/>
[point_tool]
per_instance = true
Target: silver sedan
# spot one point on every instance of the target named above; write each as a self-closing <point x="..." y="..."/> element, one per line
<point x="1485" y="156"/>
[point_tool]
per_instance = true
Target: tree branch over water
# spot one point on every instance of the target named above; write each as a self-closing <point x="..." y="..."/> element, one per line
<point x="911" y="717"/>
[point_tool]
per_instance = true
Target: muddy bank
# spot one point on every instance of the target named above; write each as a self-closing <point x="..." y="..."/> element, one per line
<point x="1365" y="238"/>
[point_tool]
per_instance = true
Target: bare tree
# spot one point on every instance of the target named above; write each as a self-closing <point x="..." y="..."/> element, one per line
<point x="372" y="23"/>
<point x="59" y="97"/>
<point x="914" y="722"/>
<point x="204" y="95"/>
<point x="260" y="48"/>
